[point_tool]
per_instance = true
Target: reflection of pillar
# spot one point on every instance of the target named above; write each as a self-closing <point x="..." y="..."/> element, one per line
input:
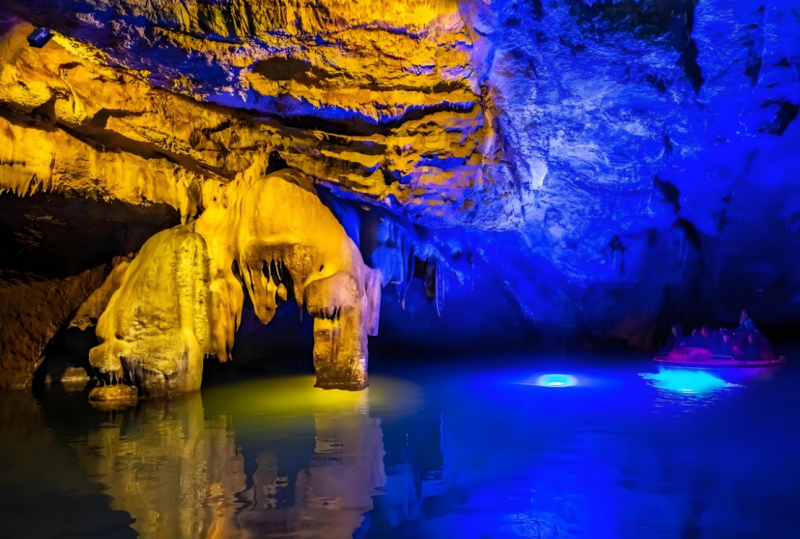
<point x="415" y="471"/>
<point x="334" y="492"/>
<point x="174" y="472"/>
<point x="347" y="467"/>
<point x="401" y="501"/>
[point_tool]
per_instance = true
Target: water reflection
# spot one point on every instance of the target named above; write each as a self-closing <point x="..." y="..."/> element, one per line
<point x="686" y="381"/>
<point x="268" y="458"/>
<point x="481" y="454"/>
<point x="686" y="390"/>
<point x="329" y="496"/>
<point x="43" y="490"/>
<point x="173" y="470"/>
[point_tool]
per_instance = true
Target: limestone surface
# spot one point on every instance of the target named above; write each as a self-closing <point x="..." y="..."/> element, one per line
<point x="406" y="120"/>
<point x="90" y="310"/>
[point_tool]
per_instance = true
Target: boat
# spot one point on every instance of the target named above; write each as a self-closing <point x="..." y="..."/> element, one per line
<point x="702" y="358"/>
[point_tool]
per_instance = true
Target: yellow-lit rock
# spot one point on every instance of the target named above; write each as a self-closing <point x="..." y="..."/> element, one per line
<point x="74" y="375"/>
<point x="36" y="157"/>
<point x="156" y="327"/>
<point x="415" y="90"/>
<point x="181" y="298"/>
<point x="275" y="236"/>
<point x="90" y="310"/>
<point x="114" y="395"/>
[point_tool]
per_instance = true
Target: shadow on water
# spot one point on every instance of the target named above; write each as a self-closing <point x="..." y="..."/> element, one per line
<point x="562" y="450"/>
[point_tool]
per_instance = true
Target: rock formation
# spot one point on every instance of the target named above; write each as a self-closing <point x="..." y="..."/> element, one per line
<point x="90" y="310"/>
<point x="156" y="327"/>
<point x="181" y="298"/>
<point x="421" y="135"/>
<point x="277" y="239"/>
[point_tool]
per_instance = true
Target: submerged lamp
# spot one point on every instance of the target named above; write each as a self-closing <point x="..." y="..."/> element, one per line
<point x="556" y="380"/>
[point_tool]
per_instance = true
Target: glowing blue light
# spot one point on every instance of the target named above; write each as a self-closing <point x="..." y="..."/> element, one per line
<point x="686" y="381"/>
<point x="556" y="380"/>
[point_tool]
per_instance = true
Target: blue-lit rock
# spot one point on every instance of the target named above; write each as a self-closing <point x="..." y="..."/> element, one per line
<point x="654" y="146"/>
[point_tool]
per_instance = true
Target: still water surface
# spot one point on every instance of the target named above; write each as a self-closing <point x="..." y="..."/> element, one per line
<point x="474" y="452"/>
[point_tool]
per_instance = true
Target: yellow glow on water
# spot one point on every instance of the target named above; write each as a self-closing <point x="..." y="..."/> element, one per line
<point x="296" y="395"/>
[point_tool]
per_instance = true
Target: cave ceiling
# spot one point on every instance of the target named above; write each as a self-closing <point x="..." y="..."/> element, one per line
<point x="597" y="165"/>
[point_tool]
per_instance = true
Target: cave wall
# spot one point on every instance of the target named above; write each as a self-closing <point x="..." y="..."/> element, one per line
<point x="607" y="168"/>
<point x="32" y="311"/>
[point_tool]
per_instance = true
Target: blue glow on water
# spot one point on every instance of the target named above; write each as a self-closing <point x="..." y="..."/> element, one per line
<point x="686" y="381"/>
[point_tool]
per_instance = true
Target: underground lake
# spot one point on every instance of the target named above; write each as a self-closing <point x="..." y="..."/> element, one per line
<point x="490" y="449"/>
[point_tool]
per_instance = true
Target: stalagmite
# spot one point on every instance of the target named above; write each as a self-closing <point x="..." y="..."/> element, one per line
<point x="155" y="330"/>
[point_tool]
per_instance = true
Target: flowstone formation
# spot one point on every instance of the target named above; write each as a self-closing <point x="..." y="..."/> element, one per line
<point x="181" y="298"/>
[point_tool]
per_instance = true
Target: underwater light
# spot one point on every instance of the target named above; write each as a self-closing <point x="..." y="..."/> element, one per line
<point x="556" y="380"/>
